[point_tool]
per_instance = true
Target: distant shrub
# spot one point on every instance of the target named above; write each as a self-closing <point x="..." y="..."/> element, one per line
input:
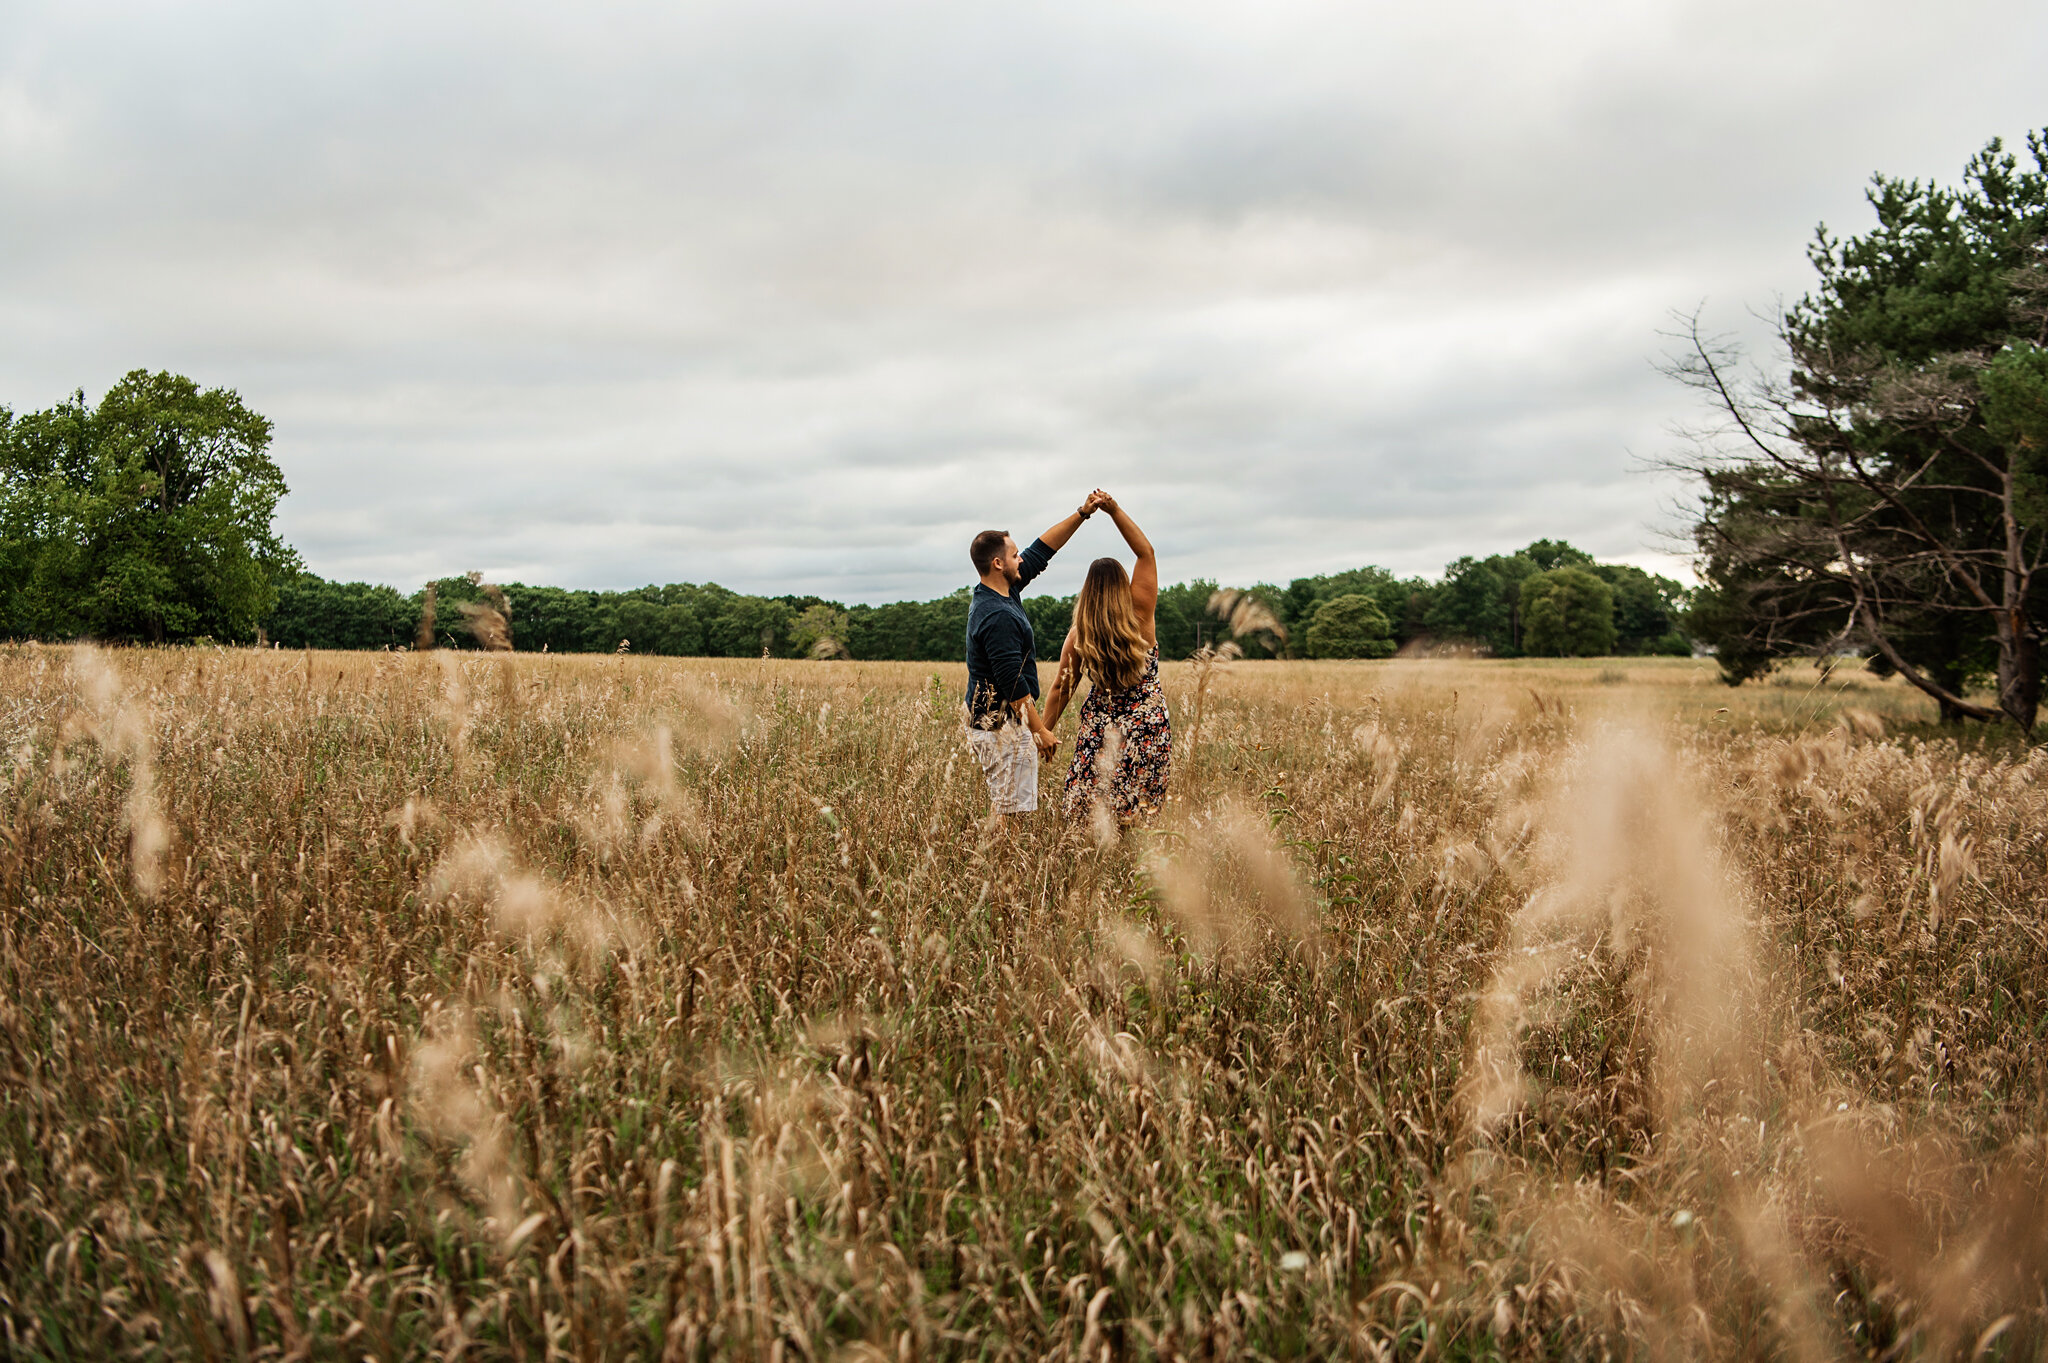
<point x="1349" y="627"/>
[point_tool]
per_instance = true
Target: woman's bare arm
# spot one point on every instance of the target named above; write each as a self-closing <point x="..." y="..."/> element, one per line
<point x="1063" y="682"/>
<point x="1144" y="573"/>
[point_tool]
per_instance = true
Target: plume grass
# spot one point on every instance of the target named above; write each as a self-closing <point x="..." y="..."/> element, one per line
<point x="524" y="1006"/>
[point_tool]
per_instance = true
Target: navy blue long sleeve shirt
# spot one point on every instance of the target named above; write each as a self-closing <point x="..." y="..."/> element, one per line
<point x="1002" y="653"/>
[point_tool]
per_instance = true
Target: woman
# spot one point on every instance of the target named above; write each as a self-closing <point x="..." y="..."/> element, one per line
<point x="1125" y="746"/>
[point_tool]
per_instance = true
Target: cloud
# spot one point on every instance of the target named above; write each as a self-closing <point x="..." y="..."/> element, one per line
<point x="796" y="296"/>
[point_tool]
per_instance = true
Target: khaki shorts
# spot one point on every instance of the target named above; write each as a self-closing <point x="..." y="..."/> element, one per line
<point x="1009" y="759"/>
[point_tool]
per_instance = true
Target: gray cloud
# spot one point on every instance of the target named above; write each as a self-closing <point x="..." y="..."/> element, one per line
<point x="795" y="296"/>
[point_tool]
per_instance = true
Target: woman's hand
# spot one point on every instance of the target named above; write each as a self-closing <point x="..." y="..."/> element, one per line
<point x="1102" y="501"/>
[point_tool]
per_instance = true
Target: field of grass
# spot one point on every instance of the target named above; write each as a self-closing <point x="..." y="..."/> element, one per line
<point x="401" y="1006"/>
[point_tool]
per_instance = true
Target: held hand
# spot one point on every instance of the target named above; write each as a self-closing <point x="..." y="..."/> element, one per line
<point x="1102" y="501"/>
<point x="1047" y="744"/>
<point x="1087" y="507"/>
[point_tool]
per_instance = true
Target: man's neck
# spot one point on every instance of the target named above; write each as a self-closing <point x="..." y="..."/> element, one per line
<point x="996" y="583"/>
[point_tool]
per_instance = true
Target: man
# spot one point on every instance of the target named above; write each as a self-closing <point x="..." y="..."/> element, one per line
<point x="1004" y="728"/>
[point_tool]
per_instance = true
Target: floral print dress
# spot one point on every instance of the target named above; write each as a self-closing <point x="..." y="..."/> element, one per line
<point x="1124" y="750"/>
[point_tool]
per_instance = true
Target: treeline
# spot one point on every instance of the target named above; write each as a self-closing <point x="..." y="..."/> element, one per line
<point x="680" y="620"/>
<point x="1549" y="598"/>
<point x="148" y="517"/>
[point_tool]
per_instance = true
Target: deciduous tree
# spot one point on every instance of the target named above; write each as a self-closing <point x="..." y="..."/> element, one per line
<point x="1350" y="627"/>
<point x="819" y="631"/>
<point x="146" y="517"/>
<point x="1567" y="612"/>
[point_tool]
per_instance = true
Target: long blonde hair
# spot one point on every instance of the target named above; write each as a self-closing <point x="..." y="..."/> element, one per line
<point x="1109" y="642"/>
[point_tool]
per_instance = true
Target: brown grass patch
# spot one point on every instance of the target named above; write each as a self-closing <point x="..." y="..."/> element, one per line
<point x="623" y="1007"/>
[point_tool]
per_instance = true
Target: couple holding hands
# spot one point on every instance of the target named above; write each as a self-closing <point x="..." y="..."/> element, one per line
<point x="1125" y="746"/>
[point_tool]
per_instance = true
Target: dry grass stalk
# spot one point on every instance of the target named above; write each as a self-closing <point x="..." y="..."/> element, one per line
<point x="423" y="637"/>
<point x="124" y="729"/>
<point x="630" y="1007"/>
<point x="1247" y="618"/>
<point x="489" y="621"/>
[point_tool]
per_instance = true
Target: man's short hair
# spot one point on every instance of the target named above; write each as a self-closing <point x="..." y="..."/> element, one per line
<point x="986" y="549"/>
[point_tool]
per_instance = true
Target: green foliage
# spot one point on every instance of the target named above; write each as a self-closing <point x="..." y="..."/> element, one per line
<point x="1548" y="554"/>
<point x="650" y="624"/>
<point x="1480" y="602"/>
<point x="1287" y="609"/>
<point x="544" y="619"/>
<point x="145" y="518"/>
<point x="819" y="631"/>
<point x="1183" y="618"/>
<point x="1484" y="602"/>
<point x="312" y="612"/>
<point x="1050" y="616"/>
<point x="1934" y="277"/>
<point x="685" y="619"/>
<point x="916" y="631"/>
<point x="2015" y="399"/>
<point x="1567" y="613"/>
<point x="149" y="517"/>
<point x="748" y="627"/>
<point x="1350" y="626"/>
<point x="1647" y="610"/>
<point x="1876" y="513"/>
<point x="679" y="620"/>
<point x="1403" y="603"/>
<point x="1717" y="618"/>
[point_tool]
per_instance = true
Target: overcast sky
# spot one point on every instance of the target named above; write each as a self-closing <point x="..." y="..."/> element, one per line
<point x="796" y="295"/>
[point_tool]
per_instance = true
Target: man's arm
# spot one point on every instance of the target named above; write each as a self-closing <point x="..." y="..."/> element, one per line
<point x="1040" y="551"/>
<point x="1002" y="649"/>
<point x="1057" y="534"/>
<point x="1004" y="646"/>
<point x="1047" y="741"/>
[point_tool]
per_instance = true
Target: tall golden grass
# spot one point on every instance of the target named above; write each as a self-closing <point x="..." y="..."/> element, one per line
<point x="517" y="1007"/>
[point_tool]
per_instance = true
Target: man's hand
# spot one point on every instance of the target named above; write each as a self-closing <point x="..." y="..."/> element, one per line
<point x="1099" y="500"/>
<point x="1090" y="504"/>
<point x="1047" y="743"/>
